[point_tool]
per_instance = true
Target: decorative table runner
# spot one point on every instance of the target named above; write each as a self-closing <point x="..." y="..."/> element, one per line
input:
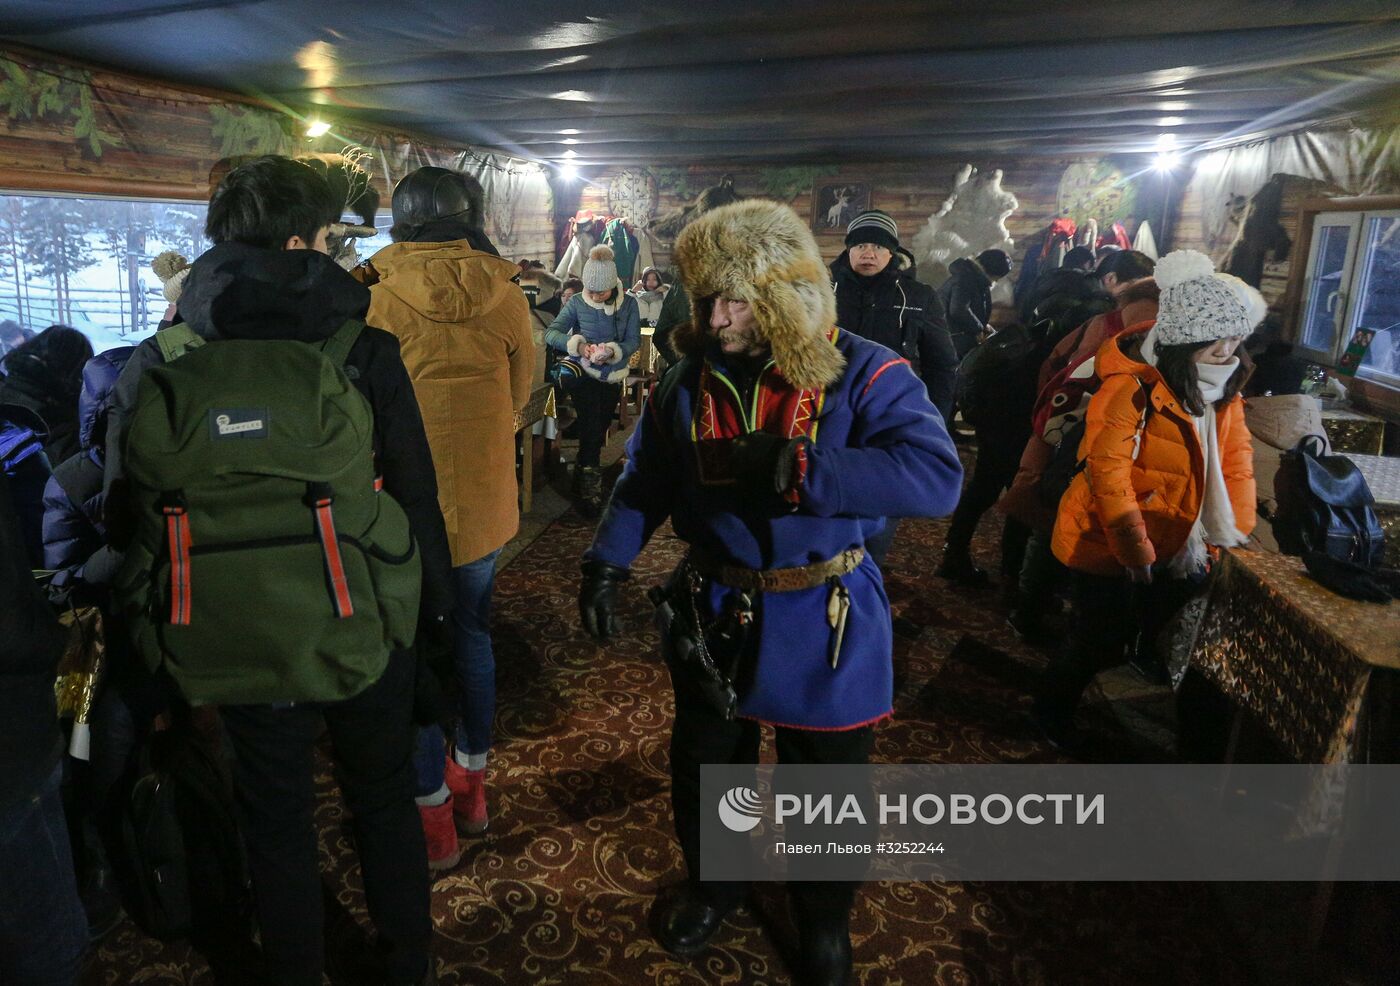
<point x="1294" y="654"/>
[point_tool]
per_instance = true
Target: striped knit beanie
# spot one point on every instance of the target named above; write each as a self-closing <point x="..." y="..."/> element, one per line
<point x="875" y="227"/>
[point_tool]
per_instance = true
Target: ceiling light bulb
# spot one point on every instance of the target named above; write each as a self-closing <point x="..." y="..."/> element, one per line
<point x="568" y="172"/>
<point x="571" y="154"/>
<point x="317" y="128"/>
<point x="1167" y="160"/>
<point x="571" y="130"/>
<point x="569" y="140"/>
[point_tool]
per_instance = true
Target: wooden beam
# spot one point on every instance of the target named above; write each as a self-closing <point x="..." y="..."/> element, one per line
<point x="50" y="182"/>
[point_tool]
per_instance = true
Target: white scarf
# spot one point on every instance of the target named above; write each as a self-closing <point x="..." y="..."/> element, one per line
<point x="1215" y="524"/>
<point x="606" y="307"/>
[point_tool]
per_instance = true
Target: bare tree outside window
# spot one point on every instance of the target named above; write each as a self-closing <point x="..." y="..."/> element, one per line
<point x="87" y="262"/>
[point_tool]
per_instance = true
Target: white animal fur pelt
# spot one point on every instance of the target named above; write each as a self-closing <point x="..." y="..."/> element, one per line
<point x="972" y="219"/>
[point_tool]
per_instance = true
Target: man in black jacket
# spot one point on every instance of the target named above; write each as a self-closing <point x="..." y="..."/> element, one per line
<point x="43" y="930"/>
<point x="878" y="298"/>
<point x="268" y="277"/>
<point x="967" y="295"/>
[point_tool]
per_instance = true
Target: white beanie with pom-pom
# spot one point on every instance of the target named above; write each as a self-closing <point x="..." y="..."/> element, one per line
<point x="599" y="270"/>
<point x="1200" y="305"/>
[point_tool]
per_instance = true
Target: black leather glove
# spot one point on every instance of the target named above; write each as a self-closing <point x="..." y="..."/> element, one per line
<point x="597" y="597"/>
<point x="761" y="461"/>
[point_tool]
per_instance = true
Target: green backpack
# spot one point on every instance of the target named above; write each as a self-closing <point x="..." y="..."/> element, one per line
<point x="266" y="565"/>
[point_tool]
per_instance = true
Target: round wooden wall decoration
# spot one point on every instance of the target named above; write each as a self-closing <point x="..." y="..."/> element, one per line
<point x="633" y="195"/>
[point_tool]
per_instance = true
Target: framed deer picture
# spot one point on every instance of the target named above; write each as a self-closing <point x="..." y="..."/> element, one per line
<point x="835" y="202"/>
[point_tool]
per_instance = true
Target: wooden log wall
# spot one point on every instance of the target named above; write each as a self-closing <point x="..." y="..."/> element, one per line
<point x="71" y="129"/>
<point x="910" y="192"/>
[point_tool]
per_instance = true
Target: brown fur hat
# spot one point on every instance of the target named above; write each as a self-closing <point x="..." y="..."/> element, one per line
<point x="548" y="284"/>
<point x="763" y="253"/>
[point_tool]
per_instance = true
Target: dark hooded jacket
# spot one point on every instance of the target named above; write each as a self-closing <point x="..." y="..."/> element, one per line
<point x="30" y="644"/>
<point x="73" y="498"/>
<point x="903" y="314"/>
<point x="236" y="291"/>
<point x="29" y="383"/>
<point x="967" y="297"/>
<point x="675" y="311"/>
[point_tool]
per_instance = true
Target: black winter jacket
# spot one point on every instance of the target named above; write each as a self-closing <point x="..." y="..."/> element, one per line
<point x="903" y="314"/>
<point x="675" y="311"/>
<point x="30" y="643"/>
<point x="967" y="297"/>
<point x="241" y="292"/>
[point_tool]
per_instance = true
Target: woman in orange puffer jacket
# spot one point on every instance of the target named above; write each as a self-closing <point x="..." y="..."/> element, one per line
<point x="1167" y="477"/>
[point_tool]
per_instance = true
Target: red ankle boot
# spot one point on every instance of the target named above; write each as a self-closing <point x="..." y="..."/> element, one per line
<point x="468" y="796"/>
<point x="440" y="832"/>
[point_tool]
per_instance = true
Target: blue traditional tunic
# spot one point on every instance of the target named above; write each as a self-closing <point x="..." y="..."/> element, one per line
<point x="872" y="447"/>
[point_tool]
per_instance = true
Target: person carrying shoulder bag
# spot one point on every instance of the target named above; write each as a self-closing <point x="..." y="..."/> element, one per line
<point x="1165" y="478"/>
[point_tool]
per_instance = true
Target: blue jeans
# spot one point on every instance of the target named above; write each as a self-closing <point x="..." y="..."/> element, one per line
<point x="476" y="674"/>
<point x="43" y="930"/>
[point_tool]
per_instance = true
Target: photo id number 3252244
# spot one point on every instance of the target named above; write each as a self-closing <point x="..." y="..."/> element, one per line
<point x="908" y="848"/>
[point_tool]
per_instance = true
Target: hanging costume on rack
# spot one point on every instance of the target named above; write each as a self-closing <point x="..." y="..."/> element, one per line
<point x="1145" y="241"/>
<point x="1044" y="251"/>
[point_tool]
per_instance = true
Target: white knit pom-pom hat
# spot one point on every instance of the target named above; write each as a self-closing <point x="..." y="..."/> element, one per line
<point x="1200" y="305"/>
<point x="599" y="270"/>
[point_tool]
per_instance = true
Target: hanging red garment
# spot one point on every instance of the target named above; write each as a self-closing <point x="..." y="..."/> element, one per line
<point x="1061" y="230"/>
<point x="1116" y="236"/>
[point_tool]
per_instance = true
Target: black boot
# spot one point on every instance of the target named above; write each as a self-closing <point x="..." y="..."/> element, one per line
<point x="824" y="940"/>
<point x="957" y="567"/>
<point x="685" y="917"/>
<point x="588" y="489"/>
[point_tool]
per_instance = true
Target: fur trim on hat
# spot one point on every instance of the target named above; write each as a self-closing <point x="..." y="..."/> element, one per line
<point x="763" y="253"/>
<point x="548" y="284"/>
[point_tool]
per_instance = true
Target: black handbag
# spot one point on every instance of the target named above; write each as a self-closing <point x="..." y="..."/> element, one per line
<point x="1324" y="505"/>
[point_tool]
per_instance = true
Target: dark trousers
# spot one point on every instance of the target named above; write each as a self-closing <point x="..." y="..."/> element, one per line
<point x="700" y="737"/>
<point x="1040" y="571"/>
<point x="43" y="931"/>
<point x="373" y="738"/>
<point x="1110" y="615"/>
<point x="998" y="455"/>
<point x="595" y="402"/>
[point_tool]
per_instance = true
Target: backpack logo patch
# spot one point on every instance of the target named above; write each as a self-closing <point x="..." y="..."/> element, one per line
<point x="237" y="422"/>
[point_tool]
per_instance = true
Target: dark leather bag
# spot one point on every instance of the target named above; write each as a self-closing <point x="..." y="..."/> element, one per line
<point x="1324" y="505"/>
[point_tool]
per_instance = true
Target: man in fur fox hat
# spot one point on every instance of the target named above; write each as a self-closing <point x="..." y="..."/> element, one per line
<point x="777" y="446"/>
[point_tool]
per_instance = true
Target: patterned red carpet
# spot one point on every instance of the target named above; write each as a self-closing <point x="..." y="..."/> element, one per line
<point x="558" y="891"/>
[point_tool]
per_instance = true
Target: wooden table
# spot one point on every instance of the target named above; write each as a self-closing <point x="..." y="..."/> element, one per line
<point x="536" y="408"/>
<point x="1318" y="671"/>
<point x="637" y="387"/>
